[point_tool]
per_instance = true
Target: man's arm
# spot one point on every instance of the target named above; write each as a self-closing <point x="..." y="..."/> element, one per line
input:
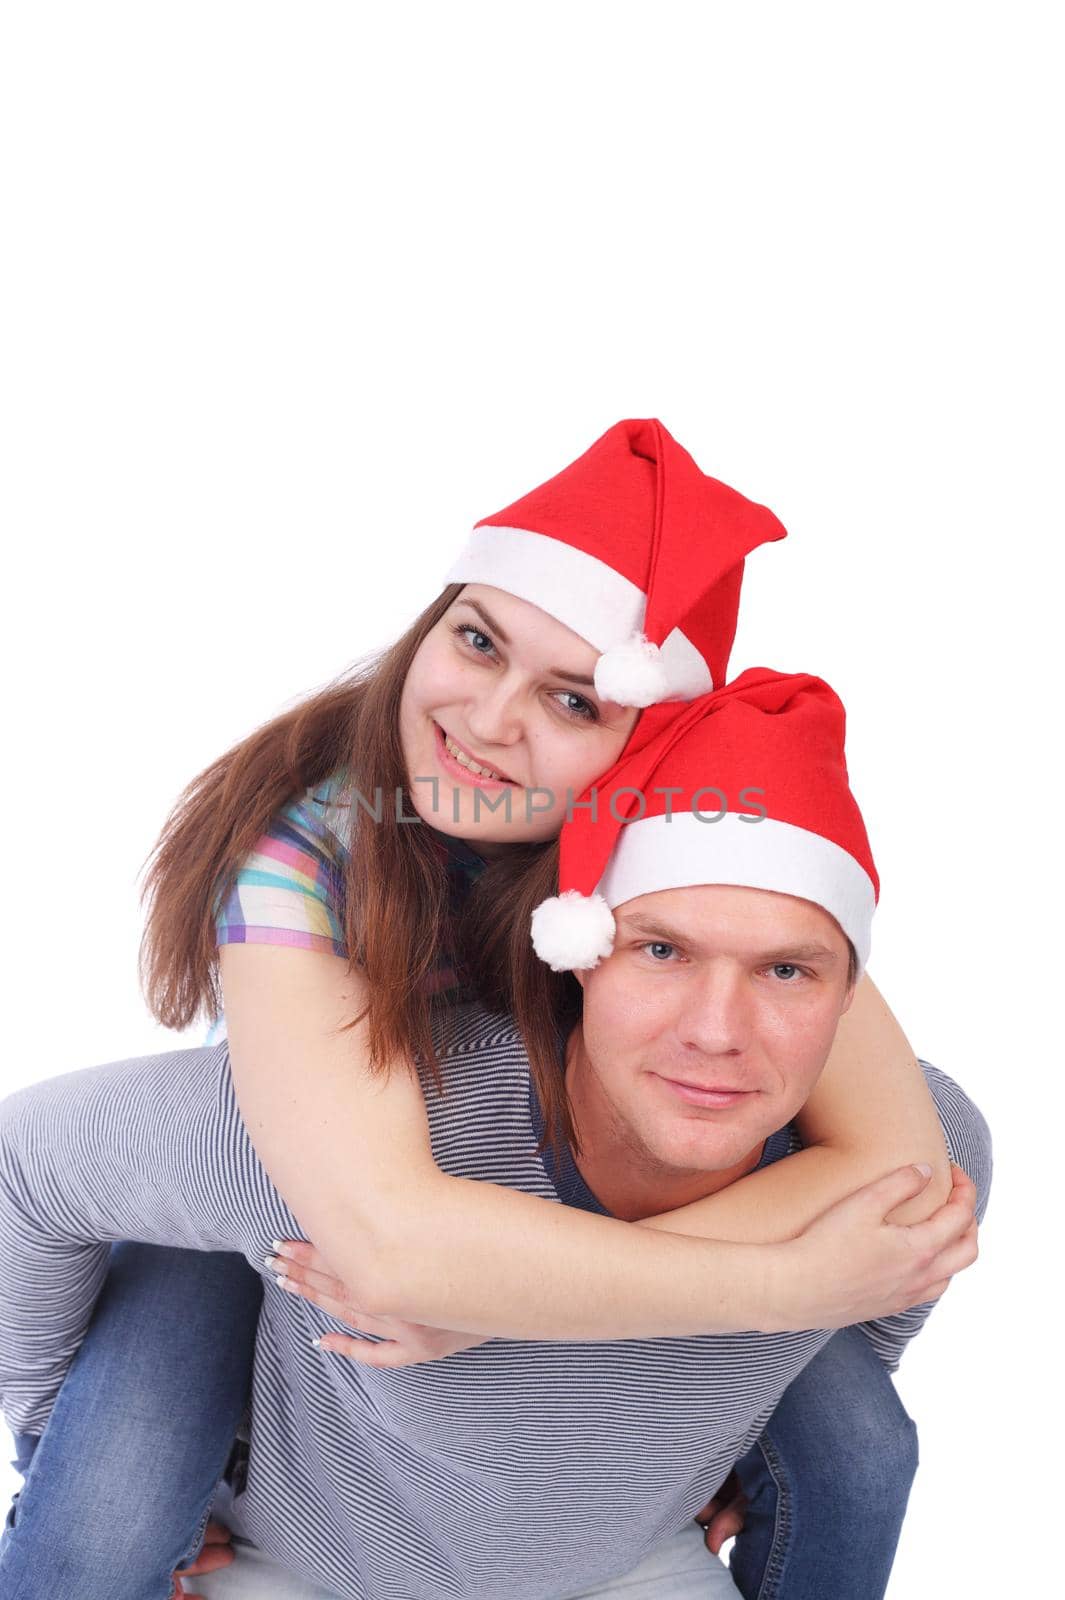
<point x="150" y="1150"/>
<point x="968" y="1140"/>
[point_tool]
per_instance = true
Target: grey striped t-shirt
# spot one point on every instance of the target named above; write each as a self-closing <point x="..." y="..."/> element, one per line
<point x="484" y="1475"/>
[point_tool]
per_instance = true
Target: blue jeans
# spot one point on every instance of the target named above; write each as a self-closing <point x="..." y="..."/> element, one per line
<point x="827" y="1482"/>
<point x="119" y="1487"/>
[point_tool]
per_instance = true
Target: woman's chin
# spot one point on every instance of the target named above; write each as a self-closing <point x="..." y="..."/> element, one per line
<point x="488" y="835"/>
<point x="489" y="817"/>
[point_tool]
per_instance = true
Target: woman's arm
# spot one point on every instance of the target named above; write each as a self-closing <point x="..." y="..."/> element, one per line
<point x="351" y="1154"/>
<point x="869" y="1113"/>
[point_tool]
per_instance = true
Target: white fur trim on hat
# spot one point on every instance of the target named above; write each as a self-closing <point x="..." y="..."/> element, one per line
<point x="572" y="931"/>
<point x="632" y="673"/>
<point x="683" y="850"/>
<point x="576" y="588"/>
<point x="687" y="672"/>
<point x="636" y="672"/>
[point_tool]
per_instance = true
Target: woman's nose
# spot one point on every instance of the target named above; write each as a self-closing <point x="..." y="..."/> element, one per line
<point x="493" y="715"/>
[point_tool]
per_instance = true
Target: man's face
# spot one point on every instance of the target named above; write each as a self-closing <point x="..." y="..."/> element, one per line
<point x="708" y="989"/>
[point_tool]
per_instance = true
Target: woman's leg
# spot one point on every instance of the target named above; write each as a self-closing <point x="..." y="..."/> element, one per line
<point x="120" y="1484"/>
<point x="827" y="1483"/>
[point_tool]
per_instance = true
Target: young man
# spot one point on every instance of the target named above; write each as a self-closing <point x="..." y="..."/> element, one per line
<point x="726" y="955"/>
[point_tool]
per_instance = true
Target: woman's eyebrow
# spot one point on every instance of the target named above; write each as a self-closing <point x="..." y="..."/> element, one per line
<point x="574" y="677"/>
<point x="488" y="621"/>
<point x="493" y="626"/>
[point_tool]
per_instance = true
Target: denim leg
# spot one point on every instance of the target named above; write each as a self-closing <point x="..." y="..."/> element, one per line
<point x="120" y="1485"/>
<point x="25" y="1445"/>
<point x="827" y="1483"/>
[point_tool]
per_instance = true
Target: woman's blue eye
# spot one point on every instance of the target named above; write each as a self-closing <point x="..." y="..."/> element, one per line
<point x="474" y="638"/>
<point x="574" y="705"/>
<point x="578" y="706"/>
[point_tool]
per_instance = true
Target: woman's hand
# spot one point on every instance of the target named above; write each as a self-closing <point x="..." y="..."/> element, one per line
<point x="850" y="1265"/>
<point x="215" y="1552"/>
<point x="301" y="1270"/>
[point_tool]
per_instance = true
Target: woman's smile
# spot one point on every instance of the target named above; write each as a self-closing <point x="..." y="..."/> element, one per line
<point x="461" y="763"/>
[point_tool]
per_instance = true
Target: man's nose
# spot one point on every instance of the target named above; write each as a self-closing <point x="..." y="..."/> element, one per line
<point x="716" y="1019"/>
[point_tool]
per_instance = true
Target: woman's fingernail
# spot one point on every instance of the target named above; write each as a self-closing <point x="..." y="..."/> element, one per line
<point x="923" y="1168"/>
<point x="272" y="1262"/>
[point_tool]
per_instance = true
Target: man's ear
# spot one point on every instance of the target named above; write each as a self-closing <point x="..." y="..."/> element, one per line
<point x="848" y="1001"/>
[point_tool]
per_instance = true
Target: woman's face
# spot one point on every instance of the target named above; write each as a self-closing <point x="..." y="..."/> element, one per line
<point x="499" y="683"/>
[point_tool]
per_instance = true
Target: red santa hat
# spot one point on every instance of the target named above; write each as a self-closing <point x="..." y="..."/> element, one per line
<point x="745" y="786"/>
<point x="638" y="551"/>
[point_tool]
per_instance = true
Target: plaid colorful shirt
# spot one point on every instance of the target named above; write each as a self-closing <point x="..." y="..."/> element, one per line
<point x="290" y="887"/>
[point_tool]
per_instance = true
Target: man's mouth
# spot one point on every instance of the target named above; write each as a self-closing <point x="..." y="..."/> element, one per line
<point x="715" y="1095"/>
<point x="467" y="759"/>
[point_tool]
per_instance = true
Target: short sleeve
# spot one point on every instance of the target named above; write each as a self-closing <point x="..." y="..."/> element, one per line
<point x="289" y="889"/>
<point x="968" y="1141"/>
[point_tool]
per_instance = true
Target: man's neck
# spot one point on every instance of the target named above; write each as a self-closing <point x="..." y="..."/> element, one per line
<point x="623" y="1175"/>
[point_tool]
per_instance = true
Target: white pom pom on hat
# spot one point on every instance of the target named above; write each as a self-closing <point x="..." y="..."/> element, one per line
<point x="632" y="673"/>
<point x="573" y="932"/>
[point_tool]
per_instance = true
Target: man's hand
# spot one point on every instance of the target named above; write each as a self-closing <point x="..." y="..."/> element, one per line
<point x="301" y="1270"/>
<point x="216" y="1552"/>
<point x="724" y="1515"/>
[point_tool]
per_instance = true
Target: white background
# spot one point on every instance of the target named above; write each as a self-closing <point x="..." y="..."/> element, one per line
<point x="294" y="294"/>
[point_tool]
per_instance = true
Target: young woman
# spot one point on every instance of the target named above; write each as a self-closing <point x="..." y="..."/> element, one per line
<point x="327" y="980"/>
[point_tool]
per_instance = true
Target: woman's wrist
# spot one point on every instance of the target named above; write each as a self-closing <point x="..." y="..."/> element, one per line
<point x="774" y="1288"/>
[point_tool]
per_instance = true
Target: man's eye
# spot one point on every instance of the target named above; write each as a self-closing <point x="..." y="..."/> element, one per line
<point x="659" y="950"/>
<point x="786" y="971"/>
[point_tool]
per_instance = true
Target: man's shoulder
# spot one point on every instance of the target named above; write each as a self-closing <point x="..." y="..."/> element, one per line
<point x="965" y="1129"/>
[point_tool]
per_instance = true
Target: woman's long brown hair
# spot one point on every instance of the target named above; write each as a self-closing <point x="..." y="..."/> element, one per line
<point x="397" y="922"/>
